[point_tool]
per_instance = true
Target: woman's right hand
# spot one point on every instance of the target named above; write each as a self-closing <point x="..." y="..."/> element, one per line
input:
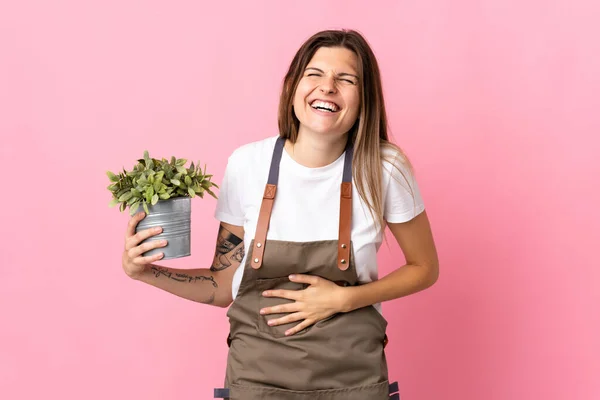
<point x="134" y="263"/>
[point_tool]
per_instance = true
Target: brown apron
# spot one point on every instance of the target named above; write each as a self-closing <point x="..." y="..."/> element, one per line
<point x="339" y="358"/>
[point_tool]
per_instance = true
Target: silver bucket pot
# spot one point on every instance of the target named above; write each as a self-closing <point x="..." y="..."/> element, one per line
<point x="174" y="216"/>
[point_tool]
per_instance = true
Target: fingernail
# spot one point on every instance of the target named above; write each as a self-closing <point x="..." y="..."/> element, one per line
<point x="270" y="322"/>
<point x="287" y="333"/>
<point x="262" y="311"/>
<point x="265" y="293"/>
<point x="292" y="276"/>
<point x="157" y="229"/>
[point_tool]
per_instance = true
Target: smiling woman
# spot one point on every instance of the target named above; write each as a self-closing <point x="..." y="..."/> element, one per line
<point x="327" y="98"/>
<point x="302" y="216"/>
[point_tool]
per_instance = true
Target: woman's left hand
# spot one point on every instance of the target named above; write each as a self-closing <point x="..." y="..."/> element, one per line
<point x="320" y="300"/>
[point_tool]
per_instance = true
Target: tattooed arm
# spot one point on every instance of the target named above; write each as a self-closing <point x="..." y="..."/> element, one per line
<point x="204" y="285"/>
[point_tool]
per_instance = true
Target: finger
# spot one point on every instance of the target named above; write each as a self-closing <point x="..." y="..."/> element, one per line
<point x="302" y="325"/>
<point x="139" y="237"/>
<point x="148" y="259"/>
<point x="280" y="309"/>
<point x="144" y="247"/>
<point x="284" y="294"/>
<point x="287" y="319"/>
<point x="303" y="278"/>
<point x="133" y="221"/>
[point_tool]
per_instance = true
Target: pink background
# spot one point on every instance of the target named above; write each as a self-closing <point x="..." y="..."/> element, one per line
<point x="495" y="101"/>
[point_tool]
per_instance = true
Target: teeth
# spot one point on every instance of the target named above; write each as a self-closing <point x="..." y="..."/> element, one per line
<point x="331" y="107"/>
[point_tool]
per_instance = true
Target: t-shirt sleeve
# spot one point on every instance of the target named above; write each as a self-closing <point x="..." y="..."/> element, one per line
<point x="229" y="204"/>
<point x="403" y="199"/>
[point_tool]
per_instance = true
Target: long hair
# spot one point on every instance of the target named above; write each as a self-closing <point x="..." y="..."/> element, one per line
<point x="369" y="134"/>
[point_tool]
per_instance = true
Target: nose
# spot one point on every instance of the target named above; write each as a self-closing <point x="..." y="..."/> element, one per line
<point x="327" y="85"/>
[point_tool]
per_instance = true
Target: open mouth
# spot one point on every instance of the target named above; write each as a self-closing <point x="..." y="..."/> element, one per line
<point x="326" y="106"/>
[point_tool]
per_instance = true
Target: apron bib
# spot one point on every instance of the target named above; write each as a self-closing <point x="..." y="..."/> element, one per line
<point x="339" y="358"/>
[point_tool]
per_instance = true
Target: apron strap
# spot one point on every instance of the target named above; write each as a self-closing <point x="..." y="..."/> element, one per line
<point x="266" y="207"/>
<point x="223" y="393"/>
<point x="343" y="259"/>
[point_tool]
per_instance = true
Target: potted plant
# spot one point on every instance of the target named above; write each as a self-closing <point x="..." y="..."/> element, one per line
<point x="164" y="190"/>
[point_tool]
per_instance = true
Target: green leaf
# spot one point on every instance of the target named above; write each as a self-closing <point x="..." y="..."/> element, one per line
<point x="164" y="196"/>
<point x="154" y="199"/>
<point x="212" y="194"/>
<point x="181" y="170"/>
<point x="146" y="208"/>
<point x="188" y="181"/>
<point x="113" y="202"/>
<point x="122" y="207"/>
<point x="181" y="162"/>
<point x="112" y="177"/>
<point x="125" y="196"/>
<point x="191" y="192"/>
<point x="175" y="182"/>
<point x="173" y="161"/>
<point x="134" y="207"/>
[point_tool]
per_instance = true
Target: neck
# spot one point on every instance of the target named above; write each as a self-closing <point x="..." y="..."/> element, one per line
<point x="316" y="150"/>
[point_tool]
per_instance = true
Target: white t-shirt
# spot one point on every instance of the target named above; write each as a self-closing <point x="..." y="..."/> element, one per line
<point x="307" y="203"/>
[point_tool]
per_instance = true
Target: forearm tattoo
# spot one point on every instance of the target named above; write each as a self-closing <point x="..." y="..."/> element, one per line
<point x="227" y="243"/>
<point x="180" y="277"/>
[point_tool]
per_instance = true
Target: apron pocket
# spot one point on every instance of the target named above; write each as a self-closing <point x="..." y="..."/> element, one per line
<point x="270" y="284"/>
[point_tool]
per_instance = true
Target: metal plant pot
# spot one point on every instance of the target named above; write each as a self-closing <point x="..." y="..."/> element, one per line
<point x="174" y="216"/>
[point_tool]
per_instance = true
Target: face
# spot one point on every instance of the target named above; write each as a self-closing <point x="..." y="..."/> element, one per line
<point x="327" y="99"/>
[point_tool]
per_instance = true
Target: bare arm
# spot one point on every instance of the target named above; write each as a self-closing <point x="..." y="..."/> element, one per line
<point x="420" y="272"/>
<point x="204" y="285"/>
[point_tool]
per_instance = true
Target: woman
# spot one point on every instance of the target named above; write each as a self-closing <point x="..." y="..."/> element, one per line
<point x="303" y="214"/>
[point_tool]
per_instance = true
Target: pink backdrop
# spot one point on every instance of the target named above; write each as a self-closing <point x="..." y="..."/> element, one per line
<point x="495" y="101"/>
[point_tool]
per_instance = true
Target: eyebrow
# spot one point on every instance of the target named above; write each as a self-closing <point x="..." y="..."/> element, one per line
<point x="340" y="74"/>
